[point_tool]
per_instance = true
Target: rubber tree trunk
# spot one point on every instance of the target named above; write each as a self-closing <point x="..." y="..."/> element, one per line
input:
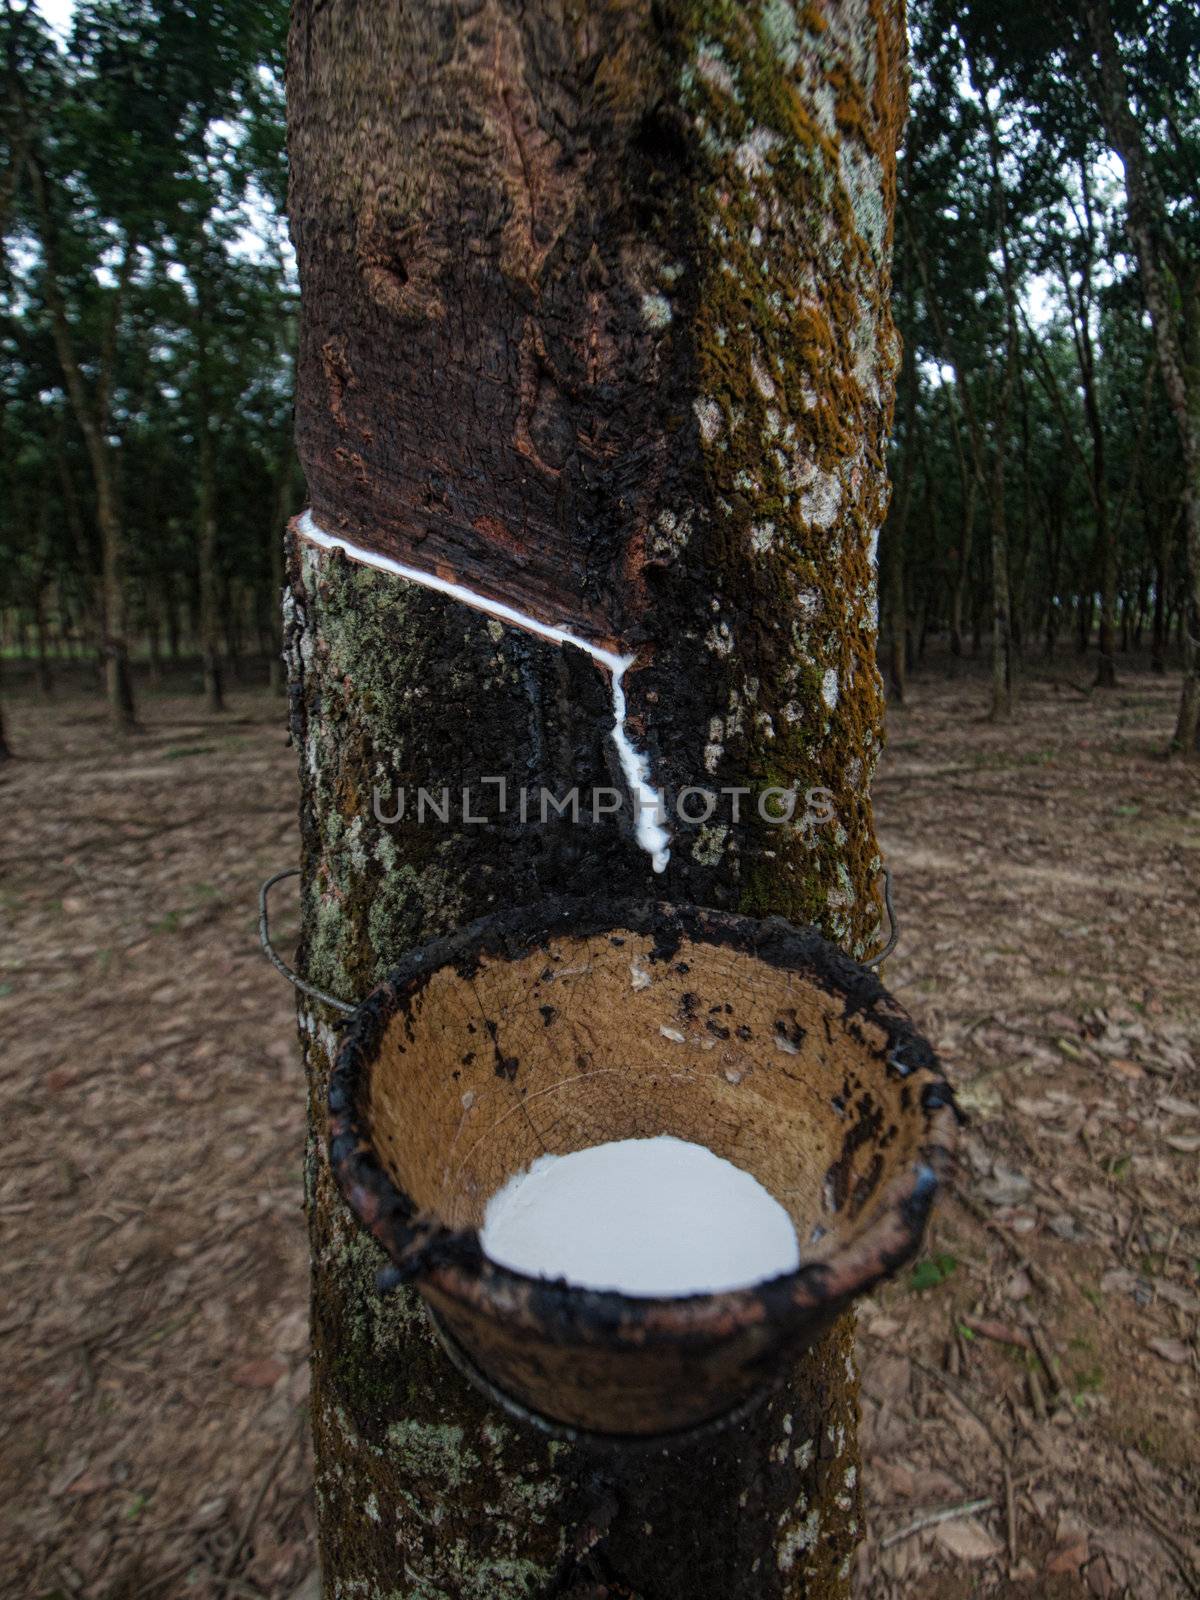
<point x="1160" y="633"/>
<point x="170" y="606"/>
<point x="895" y="541"/>
<point x="1106" y="561"/>
<point x="595" y="318"/>
<point x="1083" y="616"/>
<point x="210" y="604"/>
<point x="1053" y="522"/>
<point x="1002" y="637"/>
<point x="963" y="570"/>
<point x="1002" y="609"/>
<point x="45" y="677"/>
<point x="232" y="616"/>
<point x="5" y="747"/>
<point x="206" y="514"/>
<point x="118" y="674"/>
<point x="154" y="635"/>
<point x="1081" y="303"/>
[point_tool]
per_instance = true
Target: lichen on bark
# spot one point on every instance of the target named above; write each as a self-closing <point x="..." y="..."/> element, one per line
<point x="796" y="112"/>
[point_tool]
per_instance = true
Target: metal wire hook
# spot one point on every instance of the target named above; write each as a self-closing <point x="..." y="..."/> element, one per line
<point x="893" y="925"/>
<point x="273" y="956"/>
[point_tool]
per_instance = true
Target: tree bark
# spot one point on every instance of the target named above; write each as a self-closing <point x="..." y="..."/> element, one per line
<point x="210" y="607"/>
<point x="206" y="499"/>
<point x="971" y="473"/>
<point x="42" y="580"/>
<point x="1054" y="512"/>
<point x="45" y="677"/>
<point x="595" y="320"/>
<point x="1081" y="306"/>
<point x="170" y="608"/>
<point x="1023" y="613"/>
<point x="1002" y="622"/>
<point x="895" y="540"/>
<point x="231" y="626"/>
<point x="5" y="747"/>
<point x="1161" y="633"/>
<point x="1085" y="607"/>
<point x="154" y="636"/>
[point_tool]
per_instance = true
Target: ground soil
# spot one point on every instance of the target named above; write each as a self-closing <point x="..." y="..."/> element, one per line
<point x="1034" y="1382"/>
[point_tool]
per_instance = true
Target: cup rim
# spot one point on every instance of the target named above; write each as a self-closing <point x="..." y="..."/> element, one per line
<point x="450" y="1266"/>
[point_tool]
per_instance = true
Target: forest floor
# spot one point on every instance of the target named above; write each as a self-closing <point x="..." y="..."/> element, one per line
<point x="1034" y="1381"/>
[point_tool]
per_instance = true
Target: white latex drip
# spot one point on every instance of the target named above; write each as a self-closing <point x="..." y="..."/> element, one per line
<point x="651" y="834"/>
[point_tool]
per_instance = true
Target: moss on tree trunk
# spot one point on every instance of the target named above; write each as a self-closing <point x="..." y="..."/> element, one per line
<point x="595" y="316"/>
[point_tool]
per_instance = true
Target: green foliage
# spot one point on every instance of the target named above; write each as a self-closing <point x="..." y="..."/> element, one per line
<point x="932" y="1272"/>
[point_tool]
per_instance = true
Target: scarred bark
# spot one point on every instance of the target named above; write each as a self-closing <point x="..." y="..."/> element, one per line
<point x="595" y="318"/>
